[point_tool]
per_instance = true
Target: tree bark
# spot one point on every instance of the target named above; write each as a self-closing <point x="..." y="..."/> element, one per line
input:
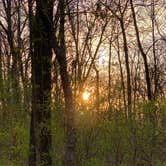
<point x="32" y="145"/>
<point x="40" y="130"/>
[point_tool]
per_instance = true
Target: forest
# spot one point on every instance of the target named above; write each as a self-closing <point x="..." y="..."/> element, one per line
<point x="82" y="82"/>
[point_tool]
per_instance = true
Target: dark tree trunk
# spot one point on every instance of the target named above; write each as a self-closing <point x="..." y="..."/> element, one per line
<point x="147" y="75"/>
<point x="154" y="50"/>
<point x="70" y="131"/>
<point x="40" y="130"/>
<point x="109" y="74"/>
<point x="32" y="155"/>
<point x="125" y="45"/>
<point x="97" y="89"/>
<point x="122" y="77"/>
<point x="1" y="78"/>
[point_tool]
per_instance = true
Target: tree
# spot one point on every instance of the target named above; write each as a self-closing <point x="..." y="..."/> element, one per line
<point x="41" y="34"/>
<point x="147" y="75"/>
<point x="60" y="51"/>
<point x="120" y="18"/>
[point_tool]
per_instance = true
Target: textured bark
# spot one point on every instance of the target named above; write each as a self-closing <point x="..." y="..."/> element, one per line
<point x="32" y="154"/>
<point x="40" y="133"/>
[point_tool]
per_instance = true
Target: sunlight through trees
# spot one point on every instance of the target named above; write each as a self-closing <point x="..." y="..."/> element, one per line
<point x="82" y="82"/>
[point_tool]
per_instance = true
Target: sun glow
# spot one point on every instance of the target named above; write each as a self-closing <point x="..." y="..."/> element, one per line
<point x="85" y="96"/>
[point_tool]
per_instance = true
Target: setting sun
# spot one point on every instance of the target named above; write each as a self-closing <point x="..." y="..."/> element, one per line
<point x="85" y="95"/>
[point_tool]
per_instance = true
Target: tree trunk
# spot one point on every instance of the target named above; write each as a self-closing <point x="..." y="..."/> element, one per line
<point x="127" y="67"/>
<point x="32" y="145"/>
<point x="1" y="81"/>
<point x="70" y="133"/>
<point x="148" y="83"/>
<point x="97" y="89"/>
<point x="60" y="51"/>
<point x="40" y="132"/>
<point x="122" y="77"/>
<point x="109" y="74"/>
<point x="154" y="50"/>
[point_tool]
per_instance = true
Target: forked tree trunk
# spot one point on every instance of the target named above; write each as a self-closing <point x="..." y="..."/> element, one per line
<point x="147" y="75"/>
<point x="60" y="51"/>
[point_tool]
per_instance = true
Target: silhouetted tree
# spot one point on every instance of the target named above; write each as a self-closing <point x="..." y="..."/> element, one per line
<point x="41" y="34"/>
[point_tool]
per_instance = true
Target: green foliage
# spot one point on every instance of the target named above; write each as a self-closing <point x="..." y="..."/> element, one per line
<point x="102" y="138"/>
<point x="57" y="135"/>
<point x="110" y="137"/>
<point x="14" y="140"/>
